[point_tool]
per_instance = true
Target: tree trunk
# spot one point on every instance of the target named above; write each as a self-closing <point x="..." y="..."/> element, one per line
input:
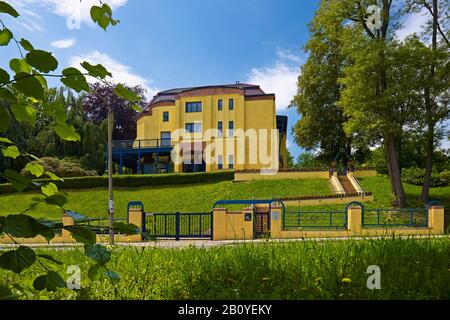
<point x="390" y="141"/>
<point x="388" y="162"/>
<point x="425" y="195"/>
<point x="395" y="173"/>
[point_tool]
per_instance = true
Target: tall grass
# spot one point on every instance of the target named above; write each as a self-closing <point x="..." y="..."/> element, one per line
<point x="410" y="269"/>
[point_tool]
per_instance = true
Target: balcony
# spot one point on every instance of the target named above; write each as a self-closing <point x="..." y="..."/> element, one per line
<point x="128" y="153"/>
<point x="119" y="145"/>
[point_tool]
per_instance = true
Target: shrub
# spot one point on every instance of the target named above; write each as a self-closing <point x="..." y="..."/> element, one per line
<point x="132" y="181"/>
<point x="416" y="175"/>
<point x="63" y="168"/>
<point x="445" y="177"/>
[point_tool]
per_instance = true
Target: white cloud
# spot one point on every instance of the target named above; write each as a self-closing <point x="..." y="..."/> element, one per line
<point x="75" y="11"/>
<point x="289" y="144"/>
<point x="63" y="43"/>
<point x="29" y="19"/>
<point x="413" y="23"/>
<point x="287" y="55"/>
<point x="121" y="73"/>
<point x="279" y="78"/>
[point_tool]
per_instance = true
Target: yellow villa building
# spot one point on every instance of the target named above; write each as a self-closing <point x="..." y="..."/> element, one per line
<point x="206" y="128"/>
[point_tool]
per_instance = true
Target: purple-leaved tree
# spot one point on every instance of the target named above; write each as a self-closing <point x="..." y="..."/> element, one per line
<point x="103" y="98"/>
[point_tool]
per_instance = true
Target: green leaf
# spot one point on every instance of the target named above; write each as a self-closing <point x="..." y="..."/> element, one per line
<point x="6" y="8"/>
<point x="136" y="108"/>
<point x="50" y="189"/>
<point x="78" y="217"/>
<point x="45" y="232"/>
<point x="112" y="275"/>
<point x="17" y="260"/>
<point x="29" y="85"/>
<point x="23" y="112"/>
<point x="20" y="183"/>
<point x="82" y="234"/>
<point x="35" y="169"/>
<point x="4" y="119"/>
<point x="102" y="16"/>
<point x="23" y="226"/>
<point x="97" y="71"/>
<point x="7" y="95"/>
<point x="5" y="140"/>
<point x="19" y="65"/>
<point x="56" y="110"/>
<point x="6" y="294"/>
<point x="42" y="60"/>
<point x="50" y="258"/>
<point x="50" y="282"/>
<point x="127" y="229"/>
<point x="94" y="272"/>
<point x="75" y="80"/>
<point x="53" y="176"/>
<point x="5" y="37"/>
<point x="11" y="152"/>
<point x="98" y="253"/>
<point x="48" y="223"/>
<point x="41" y="80"/>
<point x="59" y="200"/>
<point x="4" y="76"/>
<point x="67" y="132"/>
<point x="26" y="44"/>
<point x="126" y="93"/>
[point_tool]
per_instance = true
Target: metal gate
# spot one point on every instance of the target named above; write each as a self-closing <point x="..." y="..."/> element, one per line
<point x="261" y="222"/>
<point x="178" y="225"/>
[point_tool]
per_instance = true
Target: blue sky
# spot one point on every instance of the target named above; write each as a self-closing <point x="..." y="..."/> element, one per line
<point x="162" y="44"/>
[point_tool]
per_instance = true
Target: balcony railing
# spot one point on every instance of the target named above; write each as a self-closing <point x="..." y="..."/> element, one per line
<point x="153" y="143"/>
<point x="142" y="144"/>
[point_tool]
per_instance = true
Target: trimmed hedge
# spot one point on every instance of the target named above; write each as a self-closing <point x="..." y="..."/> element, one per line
<point x="325" y="196"/>
<point x="312" y="169"/>
<point x="131" y="181"/>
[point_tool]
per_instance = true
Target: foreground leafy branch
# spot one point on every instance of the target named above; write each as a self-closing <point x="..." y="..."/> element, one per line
<point x="25" y="90"/>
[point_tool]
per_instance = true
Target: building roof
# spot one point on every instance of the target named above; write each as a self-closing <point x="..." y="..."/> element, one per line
<point x="167" y="96"/>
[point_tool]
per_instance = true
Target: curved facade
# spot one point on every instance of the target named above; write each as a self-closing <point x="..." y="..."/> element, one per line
<point x="212" y="128"/>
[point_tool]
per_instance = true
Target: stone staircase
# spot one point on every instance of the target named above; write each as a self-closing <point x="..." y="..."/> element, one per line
<point x="346" y="184"/>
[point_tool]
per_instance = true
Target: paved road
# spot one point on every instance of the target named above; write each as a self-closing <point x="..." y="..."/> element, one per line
<point x="170" y="244"/>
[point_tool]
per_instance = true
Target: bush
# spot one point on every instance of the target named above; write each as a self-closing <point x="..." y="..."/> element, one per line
<point x="62" y="168"/>
<point x="416" y="175"/>
<point x="445" y="177"/>
<point x="132" y="181"/>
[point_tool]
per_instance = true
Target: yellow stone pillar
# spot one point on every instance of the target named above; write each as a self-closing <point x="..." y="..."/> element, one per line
<point x="354" y="220"/>
<point x="136" y="217"/>
<point x="219" y="224"/>
<point x="276" y="222"/>
<point x="436" y="219"/>
<point x="66" y="235"/>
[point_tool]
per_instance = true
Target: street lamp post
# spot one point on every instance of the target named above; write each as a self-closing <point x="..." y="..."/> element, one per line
<point x="110" y="177"/>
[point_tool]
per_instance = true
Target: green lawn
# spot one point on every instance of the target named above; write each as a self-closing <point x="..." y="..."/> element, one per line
<point x="409" y="269"/>
<point x="183" y="198"/>
<point x="201" y="197"/>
